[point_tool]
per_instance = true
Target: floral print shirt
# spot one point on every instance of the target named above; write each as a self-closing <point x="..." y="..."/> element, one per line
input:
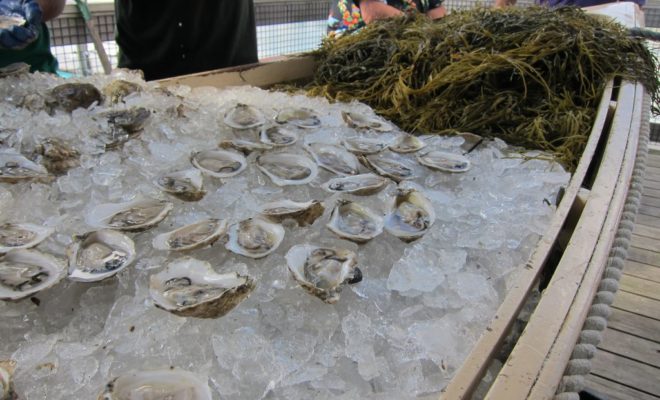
<point x="345" y="14"/>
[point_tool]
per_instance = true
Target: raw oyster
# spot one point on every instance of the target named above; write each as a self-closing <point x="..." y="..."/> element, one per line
<point x="471" y="141"/>
<point x="190" y="288"/>
<point x="6" y="385"/>
<point x="254" y="237"/>
<point x="194" y="236"/>
<point x="360" y="185"/>
<point x="243" y="116"/>
<point x="132" y="216"/>
<point x="391" y="165"/>
<point x="300" y="117"/>
<point x="354" y="222"/>
<point x="278" y="136"/>
<point x="187" y="185"/>
<point x="322" y="271"/>
<point x="14" y="69"/>
<point x="98" y="255"/>
<point x="411" y="217"/>
<point x="14" y="167"/>
<point x="287" y="168"/>
<point x="244" y="146"/>
<point x="444" y="161"/>
<point x="26" y="272"/>
<point x="70" y="96"/>
<point x="219" y="163"/>
<point x="305" y="213"/>
<point x="58" y="156"/>
<point x="359" y="121"/>
<point x="118" y="89"/>
<point x="123" y="125"/>
<point x="407" y="144"/>
<point x="22" y="236"/>
<point x="364" y="145"/>
<point x="334" y="158"/>
<point x="164" y="384"/>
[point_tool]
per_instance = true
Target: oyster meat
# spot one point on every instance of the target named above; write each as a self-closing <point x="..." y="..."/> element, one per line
<point x="322" y="271"/>
<point x="123" y="125"/>
<point x="26" y="272"/>
<point x="305" y="213"/>
<point x="354" y="222"/>
<point x="243" y="116"/>
<point x="407" y="144"/>
<point x="287" y="168"/>
<point x="391" y="165"/>
<point x="58" y="155"/>
<point x="117" y="90"/>
<point x="164" y="384"/>
<point x="364" y="145"/>
<point x="194" y="236"/>
<point x="360" y="185"/>
<point x="360" y="121"/>
<point x="278" y="136"/>
<point x="254" y="237"/>
<point x="187" y="185"/>
<point x="191" y="288"/>
<point x="443" y="161"/>
<point x="70" y="96"/>
<point x="98" y="255"/>
<point x="244" y="146"/>
<point x="132" y="216"/>
<point x="14" y="167"/>
<point x="22" y="236"/>
<point x="300" y="117"/>
<point x="6" y="385"/>
<point x="334" y="158"/>
<point x="219" y="163"/>
<point x="411" y="217"/>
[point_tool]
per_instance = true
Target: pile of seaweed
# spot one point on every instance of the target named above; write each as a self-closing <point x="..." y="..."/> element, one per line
<point x="530" y="76"/>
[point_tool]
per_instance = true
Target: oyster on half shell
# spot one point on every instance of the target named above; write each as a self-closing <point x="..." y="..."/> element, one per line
<point x="14" y="167"/>
<point x="6" y="385"/>
<point x="243" y="116"/>
<point x="354" y="222"/>
<point x="305" y="213"/>
<point x="194" y="236"/>
<point x="26" y="272"/>
<point x="22" y="236"/>
<point x="365" y="145"/>
<point x="391" y="165"/>
<point x="132" y="216"/>
<point x="187" y="185"/>
<point x="444" y="161"/>
<point x="278" y="136"/>
<point x="58" y="155"/>
<point x="163" y="384"/>
<point x="411" y="217"/>
<point x="287" y="168"/>
<point x="219" y="163"/>
<point x="360" y="185"/>
<point x="191" y="288"/>
<point x="98" y="255"/>
<point x="254" y="237"/>
<point x="322" y="271"/>
<point x="334" y="158"/>
<point x="407" y="144"/>
<point x="117" y="90"/>
<point x="360" y="121"/>
<point x="300" y="117"/>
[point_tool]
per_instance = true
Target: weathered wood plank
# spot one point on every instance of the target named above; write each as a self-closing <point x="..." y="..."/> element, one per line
<point x="640" y="286"/>
<point x="637" y="304"/>
<point x="648" y="192"/>
<point x="643" y="256"/>
<point x="634" y="324"/>
<point x="651" y="201"/>
<point x="652" y="173"/>
<point x="633" y="347"/>
<point x="646" y="243"/>
<point x="647" y="220"/>
<point x="643" y="271"/>
<point x="649" y="210"/>
<point x="647" y="231"/>
<point x="620" y="369"/>
<point x="651" y="185"/>
<point x="615" y="390"/>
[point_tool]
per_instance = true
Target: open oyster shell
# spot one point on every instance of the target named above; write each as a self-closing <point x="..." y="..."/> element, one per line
<point x="365" y="145"/>
<point x="70" y="96"/>
<point x="391" y="165"/>
<point x="187" y="185"/>
<point x="254" y="237"/>
<point x="354" y="222"/>
<point x="305" y="213"/>
<point x="190" y="288"/>
<point x="407" y="144"/>
<point x="98" y="255"/>
<point x="444" y="161"/>
<point x="6" y="386"/>
<point x="132" y="216"/>
<point x="360" y="185"/>
<point x="219" y="163"/>
<point x="287" y="168"/>
<point x="22" y="236"/>
<point x="278" y="136"/>
<point x="411" y="217"/>
<point x="58" y="155"/>
<point x="300" y="117"/>
<point x="26" y="272"/>
<point x="14" y="167"/>
<point x="360" y="121"/>
<point x="243" y="116"/>
<point x="322" y="271"/>
<point x="334" y="158"/>
<point x="194" y="236"/>
<point x="244" y="146"/>
<point x="170" y="384"/>
<point x="117" y="90"/>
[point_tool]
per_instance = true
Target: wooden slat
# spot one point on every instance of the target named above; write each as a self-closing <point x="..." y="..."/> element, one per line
<point x="644" y="271"/>
<point x="646" y="231"/>
<point x="653" y="222"/>
<point x="615" y="390"/>
<point x="651" y="185"/>
<point x="620" y="369"/>
<point x="640" y="287"/>
<point x="651" y="201"/>
<point x="633" y="347"/>
<point x="647" y="192"/>
<point x="646" y="243"/>
<point x="634" y="324"/>
<point x="652" y="173"/>
<point x="637" y="304"/>
<point x="643" y="256"/>
<point x="649" y="210"/>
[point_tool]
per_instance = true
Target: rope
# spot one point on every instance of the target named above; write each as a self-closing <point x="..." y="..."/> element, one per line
<point x="579" y="365"/>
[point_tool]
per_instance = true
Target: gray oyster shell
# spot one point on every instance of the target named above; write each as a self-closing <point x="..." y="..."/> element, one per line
<point x="243" y="116"/>
<point x="444" y="161"/>
<point x="354" y="222"/>
<point x="194" y="236"/>
<point x="26" y="272"/>
<point x="132" y="216"/>
<point x="98" y="255"/>
<point x="254" y="237"/>
<point x="359" y="185"/>
<point x="170" y="384"/>
<point x="287" y="168"/>
<point x="412" y="215"/>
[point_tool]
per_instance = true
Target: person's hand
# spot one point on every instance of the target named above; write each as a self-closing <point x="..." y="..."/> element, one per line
<point x="18" y="37"/>
<point x="373" y="10"/>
